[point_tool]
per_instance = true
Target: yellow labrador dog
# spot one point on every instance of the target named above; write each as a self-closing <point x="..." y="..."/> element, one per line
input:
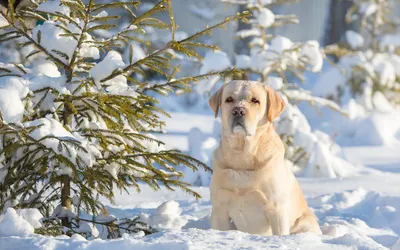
<point x="251" y="185"/>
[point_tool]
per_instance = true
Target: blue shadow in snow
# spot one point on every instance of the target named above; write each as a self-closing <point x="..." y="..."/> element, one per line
<point x="391" y="168"/>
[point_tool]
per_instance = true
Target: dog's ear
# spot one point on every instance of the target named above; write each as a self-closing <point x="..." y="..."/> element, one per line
<point x="275" y="104"/>
<point x="215" y="101"/>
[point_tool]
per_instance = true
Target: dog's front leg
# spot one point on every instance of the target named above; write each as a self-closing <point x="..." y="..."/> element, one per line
<point x="279" y="221"/>
<point x="220" y="218"/>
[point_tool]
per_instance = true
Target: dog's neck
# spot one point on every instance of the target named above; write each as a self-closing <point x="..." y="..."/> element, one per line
<point x="244" y="153"/>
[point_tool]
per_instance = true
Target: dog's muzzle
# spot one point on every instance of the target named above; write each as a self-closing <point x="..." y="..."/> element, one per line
<point x="238" y="123"/>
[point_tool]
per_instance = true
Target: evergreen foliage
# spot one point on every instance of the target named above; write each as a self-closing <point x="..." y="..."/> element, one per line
<point x="85" y="128"/>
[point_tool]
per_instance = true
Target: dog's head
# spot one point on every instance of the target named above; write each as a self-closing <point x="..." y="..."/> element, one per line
<point x="246" y="105"/>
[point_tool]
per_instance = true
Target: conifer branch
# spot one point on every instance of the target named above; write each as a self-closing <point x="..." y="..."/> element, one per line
<point x="186" y="80"/>
<point x="173" y="44"/>
<point x="32" y="41"/>
<point x="172" y="20"/>
<point x="160" y="6"/>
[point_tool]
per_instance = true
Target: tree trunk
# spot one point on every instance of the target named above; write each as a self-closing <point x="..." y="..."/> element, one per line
<point x="241" y="45"/>
<point x="65" y="198"/>
<point x="336" y="24"/>
<point x="65" y="179"/>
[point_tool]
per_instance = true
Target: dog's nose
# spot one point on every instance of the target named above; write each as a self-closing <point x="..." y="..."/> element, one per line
<point x="238" y="111"/>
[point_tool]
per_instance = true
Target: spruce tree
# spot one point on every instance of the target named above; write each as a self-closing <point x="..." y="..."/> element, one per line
<point x="85" y="129"/>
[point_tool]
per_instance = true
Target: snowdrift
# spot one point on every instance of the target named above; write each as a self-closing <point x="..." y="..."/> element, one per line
<point x="356" y="219"/>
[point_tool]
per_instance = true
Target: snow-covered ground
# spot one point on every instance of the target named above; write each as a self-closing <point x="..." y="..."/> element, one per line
<point x="361" y="211"/>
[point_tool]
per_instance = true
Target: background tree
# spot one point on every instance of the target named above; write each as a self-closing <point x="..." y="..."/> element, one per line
<point x="367" y="61"/>
<point x="280" y="63"/>
<point x="80" y="123"/>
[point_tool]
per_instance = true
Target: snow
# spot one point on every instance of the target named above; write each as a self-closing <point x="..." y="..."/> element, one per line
<point x="329" y="82"/>
<point x="46" y="67"/>
<point x="54" y="6"/>
<point x="11" y="106"/>
<point x="113" y="168"/>
<point x="31" y="215"/>
<point x="395" y="60"/>
<point x="166" y="216"/>
<point x="41" y="81"/>
<point x="380" y="67"/>
<point x="242" y="61"/>
<point x="381" y="103"/>
<point x="215" y="61"/>
<point x="354" y="39"/>
<point x="275" y="83"/>
<point x="377" y="221"/>
<point x="350" y="219"/>
<point x="201" y="147"/>
<point x="87" y="49"/>
<point x="77" y="238"/>
<point x="112" y="61"/>
<point x="280" y="43"/>
<point x="246" y="33"/>
<point x="119" y="86"/>
<point x="262" y="2"/>
<point x="3" y="22"/>
<point x="390" y="40"/>
<point x="386" y="73"/>
<point x="322" y="162"/>
<point x="325" y="159"/>
<point x="51" y="38"/>
<point x="297" y="95"/>
<point x="89" y="229"/>
<point x="377" y="129"/>
<point x="397" y="245"/>
<point x="282" y="53"/>
<point x="362" y="127"/>
<point x="50" y="127"/>
<point x="152" y="146"/>
<point x="368" y="8"/>
<point x="12" y="224"/>
<point x="312" y="52"/>
<point x="12" y="91"/>
<point x="265" y="17"/>
<point x="177" y="239"/>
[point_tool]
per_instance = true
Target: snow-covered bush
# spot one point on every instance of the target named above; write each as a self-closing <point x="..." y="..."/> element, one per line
<point x="275" y="60"/>
<point x="368" y="67"/>
<point x="76" y="124"/>
<point x="201" y="147"/>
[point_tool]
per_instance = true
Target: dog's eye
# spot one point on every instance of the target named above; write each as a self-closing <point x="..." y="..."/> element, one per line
<point x="229" y="99"/>
<point x="254" y="100"/>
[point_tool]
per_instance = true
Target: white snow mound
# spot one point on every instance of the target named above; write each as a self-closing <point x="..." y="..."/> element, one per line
<point x="12" y="224"/>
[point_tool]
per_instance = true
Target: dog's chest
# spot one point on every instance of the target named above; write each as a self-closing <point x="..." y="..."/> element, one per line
<point x="248" y="209"/>
<point x="248" y="199"/>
